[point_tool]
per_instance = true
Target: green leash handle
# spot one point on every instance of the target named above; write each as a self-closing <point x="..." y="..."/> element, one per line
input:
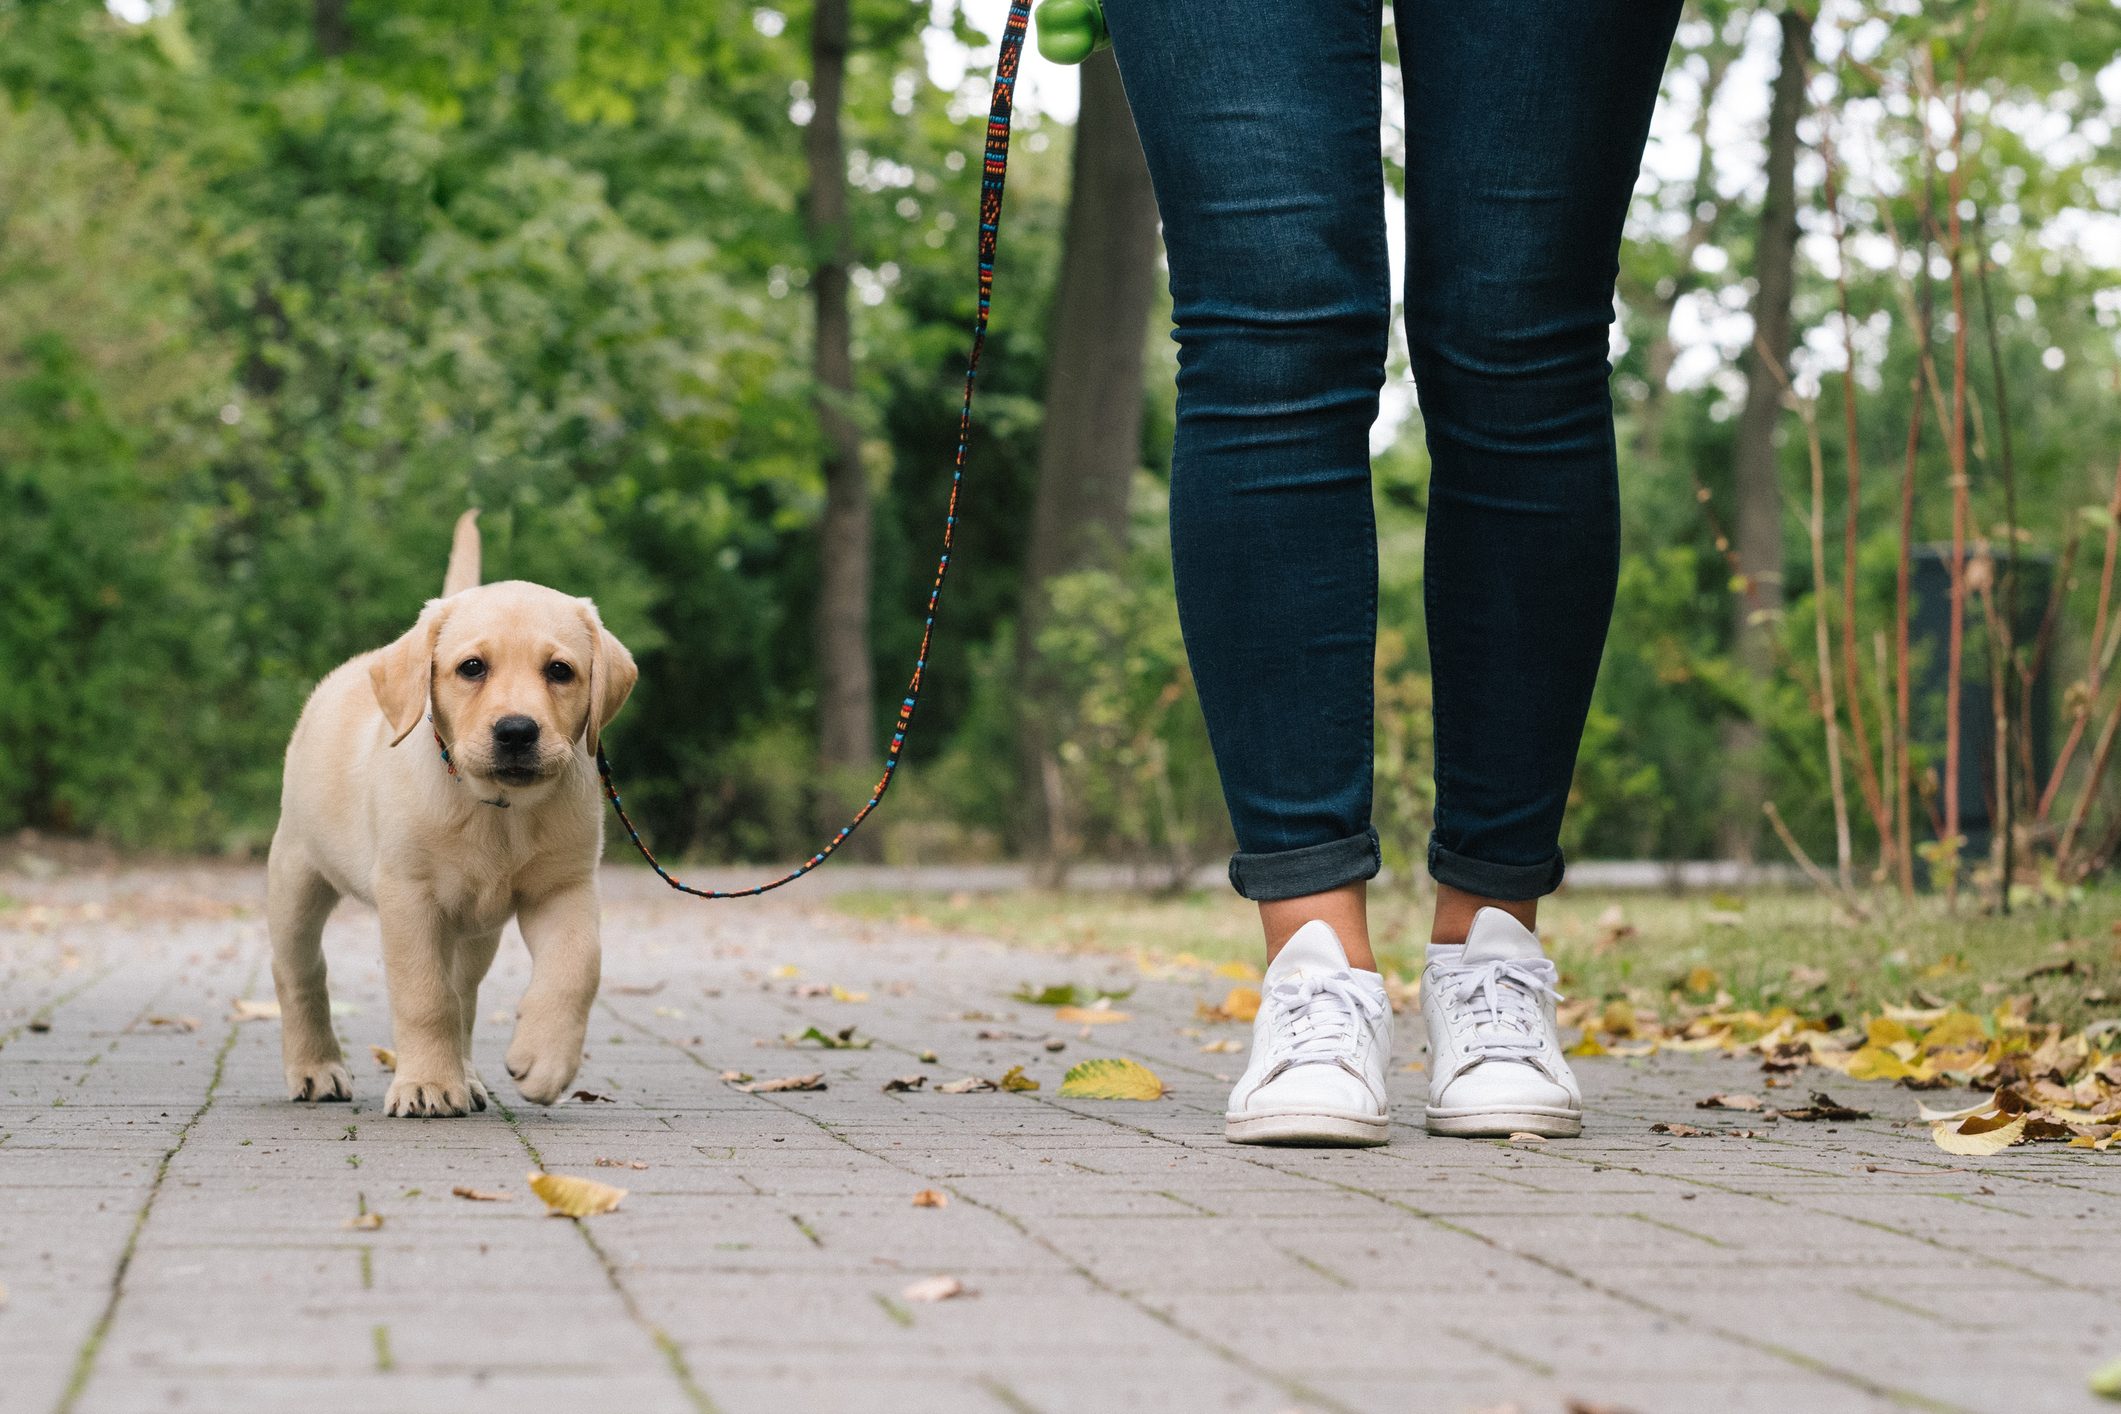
<point x="1069" y="31"/>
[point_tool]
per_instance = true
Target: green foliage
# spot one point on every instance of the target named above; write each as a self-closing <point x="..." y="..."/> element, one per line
<point x="271" y="317"/>
<point x="542" y="259"/>
<point x="1136" y="774"/>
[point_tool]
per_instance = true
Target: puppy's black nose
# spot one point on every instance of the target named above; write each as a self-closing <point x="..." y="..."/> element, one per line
<point x="515" y="732"/>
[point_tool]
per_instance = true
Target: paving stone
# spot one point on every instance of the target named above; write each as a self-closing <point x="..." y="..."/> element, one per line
<point x="173" y="1232"/>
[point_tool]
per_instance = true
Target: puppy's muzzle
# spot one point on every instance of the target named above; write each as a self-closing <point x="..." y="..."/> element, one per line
<point x="515" y="749"/>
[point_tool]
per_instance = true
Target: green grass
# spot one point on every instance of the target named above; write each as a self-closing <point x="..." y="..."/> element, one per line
<point x="1765" y="948"/>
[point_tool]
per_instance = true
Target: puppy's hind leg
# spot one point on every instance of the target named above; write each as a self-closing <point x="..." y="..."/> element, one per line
<point x="474" y="956"/>
<point x="297" y="901"/>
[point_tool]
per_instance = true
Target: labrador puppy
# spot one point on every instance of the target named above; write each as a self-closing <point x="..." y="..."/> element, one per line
<point x="450" y="781"/>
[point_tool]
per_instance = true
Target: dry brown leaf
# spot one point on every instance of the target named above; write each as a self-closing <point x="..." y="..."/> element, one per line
<point x="899" y="1084"/>
<point x="1979" y="1136"/>
<point x="934" y="1289"/>
<point x="736" y="1077"/>
<point x="931" y="1198"/>
<point x="970" y="1085"/>
<point x="619" y="1163"/>
<point x="1222" y="1047"/>
<point x="366" y="1222"/>
<point x="1728" y="1102"/>
<point x="1239" y="1004"/>
<point x="1098" y="1015"/>
<point x="1823" y="1106"/>
<point x="1680" y="1131"/>
<point x="814" y="1081"/>
<point x="243" y="1009"/>
<point x="591" y="1097"/>
<point x="180" y="1023"/>
<point x="570" y="1197"/>
<point x="482" y="1195"/>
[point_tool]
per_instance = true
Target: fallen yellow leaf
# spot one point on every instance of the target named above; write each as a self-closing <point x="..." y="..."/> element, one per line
<point x="1016" y="1080"/>
<point x="1242" y="1004"/>
<point x="2106" y="1381"/>
<point x="1876" y="1063"/>
<point x="1089" y="1015"/>
<point x="1111" y="1079"/>
<point x="385" y="1057"/>
<point x="571" y="1197"/>
<point x="934" y="1289"/>
<point x="242" y="1009"/>
<point x="367" y="1222"/>
<point x="931" y="1198"/>
<point x="1241" y="971"/>
<point x="1988" y="1136"/>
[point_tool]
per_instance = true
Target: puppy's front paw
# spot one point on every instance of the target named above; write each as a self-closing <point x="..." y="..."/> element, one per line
<point x="321" y="1080"/>
<point x="432" y="1097"/>
<point x="543" y="1058"/>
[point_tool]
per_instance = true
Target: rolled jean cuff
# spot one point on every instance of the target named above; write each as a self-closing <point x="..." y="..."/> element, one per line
<point x="1504" y="881"/>
<point x="1292" y="873"/>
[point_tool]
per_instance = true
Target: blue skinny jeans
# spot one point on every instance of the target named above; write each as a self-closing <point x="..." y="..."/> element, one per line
<point x="1526" y="121"/>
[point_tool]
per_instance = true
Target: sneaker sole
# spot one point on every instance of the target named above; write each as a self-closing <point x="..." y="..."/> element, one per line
<point x="1548" y="1121"/>
<point x="1317" y="1129"/>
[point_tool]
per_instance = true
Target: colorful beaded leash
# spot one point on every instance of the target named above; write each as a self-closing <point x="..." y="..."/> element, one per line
<point x="990" y="220"/>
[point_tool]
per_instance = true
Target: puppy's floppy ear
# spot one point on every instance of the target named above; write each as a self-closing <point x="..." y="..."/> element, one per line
<point x="403" y="673"/>
<point x="611" y="676"/>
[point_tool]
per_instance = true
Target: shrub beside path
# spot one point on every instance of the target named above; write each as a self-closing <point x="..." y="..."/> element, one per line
<point x="174" y="1235"/>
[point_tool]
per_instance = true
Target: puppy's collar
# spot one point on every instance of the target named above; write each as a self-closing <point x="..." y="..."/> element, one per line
<point x="501" y="801"/>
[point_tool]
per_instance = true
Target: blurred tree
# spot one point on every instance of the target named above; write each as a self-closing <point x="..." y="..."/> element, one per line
<point x="1091" y="447"/>
<point x="846" y="685"/>
<point x="1756" y="464"/>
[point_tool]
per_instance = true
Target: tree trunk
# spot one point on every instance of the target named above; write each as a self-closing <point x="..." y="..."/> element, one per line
<point x="1090" y="447"/>
<point x="330" y="27"/>
<point x="846" y="689"/>
<point x="1757" y="523"/>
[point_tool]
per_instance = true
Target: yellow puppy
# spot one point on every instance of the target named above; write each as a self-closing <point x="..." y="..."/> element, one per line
<point x="450" y="781"/>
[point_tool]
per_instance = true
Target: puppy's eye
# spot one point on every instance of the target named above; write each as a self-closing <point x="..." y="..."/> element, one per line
<point x="558" y="672"/>
<point x="473" y="668"/>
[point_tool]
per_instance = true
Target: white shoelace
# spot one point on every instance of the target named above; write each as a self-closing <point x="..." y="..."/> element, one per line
<point x="1319" y="1017"/>
<point x="1495" y="1007"/>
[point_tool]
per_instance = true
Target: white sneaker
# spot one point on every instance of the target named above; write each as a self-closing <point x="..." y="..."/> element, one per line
<point x="1495" y="1062"/>
<point x="1319" y="1048"/>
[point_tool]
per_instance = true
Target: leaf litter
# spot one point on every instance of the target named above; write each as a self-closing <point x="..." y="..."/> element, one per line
<point x="2065" y="1088"/>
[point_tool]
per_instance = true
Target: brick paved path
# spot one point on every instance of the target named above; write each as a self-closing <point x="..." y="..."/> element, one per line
<point x="173" y="1233"/>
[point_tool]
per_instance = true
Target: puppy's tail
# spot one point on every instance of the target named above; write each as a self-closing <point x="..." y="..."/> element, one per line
<point x="463" y="570"/>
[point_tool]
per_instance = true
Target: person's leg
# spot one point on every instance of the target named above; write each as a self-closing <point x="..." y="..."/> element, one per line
<point x="1259" y="120"/>
<point x="1526" y="121"/>
<point x="1525" y="126"/>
